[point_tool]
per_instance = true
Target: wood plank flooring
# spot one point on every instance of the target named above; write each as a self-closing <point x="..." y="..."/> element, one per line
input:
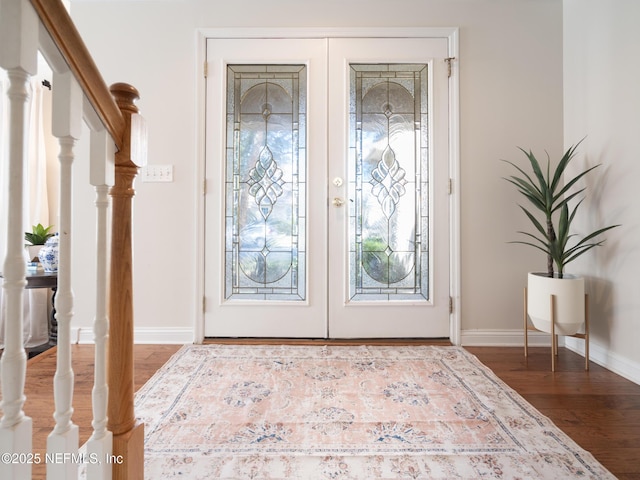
<point x="39" y="390"/>
<point x="598" y="409"/>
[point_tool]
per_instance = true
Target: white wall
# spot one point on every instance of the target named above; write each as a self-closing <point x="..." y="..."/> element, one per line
<point x="510" y="95"/>
<point x="602" y="101"/>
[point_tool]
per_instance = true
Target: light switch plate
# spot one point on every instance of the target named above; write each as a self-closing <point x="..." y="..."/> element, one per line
<point x="157" y="173"/>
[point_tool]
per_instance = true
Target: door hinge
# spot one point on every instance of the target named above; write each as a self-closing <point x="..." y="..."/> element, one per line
<point x="450" y="186"/>
<point x="206" y="69"/>
<point x="204" y="187"/>
<point x="450" y="304"/>
<point x="449" y="60"/>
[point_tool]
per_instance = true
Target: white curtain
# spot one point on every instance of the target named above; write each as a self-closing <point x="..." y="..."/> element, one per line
<point x="36" y="301"/>
<point x="37" y="197"/>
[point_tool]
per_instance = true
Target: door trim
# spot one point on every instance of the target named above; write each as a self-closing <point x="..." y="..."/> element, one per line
<point x="450" y="33"/>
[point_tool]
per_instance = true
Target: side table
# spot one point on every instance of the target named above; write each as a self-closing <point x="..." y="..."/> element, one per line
<point x="41" y="279"/>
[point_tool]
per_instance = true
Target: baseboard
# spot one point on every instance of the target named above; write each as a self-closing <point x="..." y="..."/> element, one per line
<point x="515" y="338"/>
<point x="603" y="357"/>
<point x="503" y="338"/>
<point x="141" y="335"/>
<point x="470" y="338"/>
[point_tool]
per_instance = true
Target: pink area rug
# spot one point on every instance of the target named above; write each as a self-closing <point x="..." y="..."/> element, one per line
<point x="311" y="412"/>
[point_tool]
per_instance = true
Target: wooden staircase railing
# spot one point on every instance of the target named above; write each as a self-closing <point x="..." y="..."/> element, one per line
<point x="117" y="149"/>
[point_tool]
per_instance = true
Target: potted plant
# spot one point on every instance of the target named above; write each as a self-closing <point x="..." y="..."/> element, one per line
<point x="36" y="238"/>
<point x="550" y="193"/>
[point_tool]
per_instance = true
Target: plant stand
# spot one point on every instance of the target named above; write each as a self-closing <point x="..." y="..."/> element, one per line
<point x="554" y="337"/>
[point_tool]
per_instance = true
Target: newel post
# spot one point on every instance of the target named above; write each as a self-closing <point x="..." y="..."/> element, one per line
<point x="128" y="433"/>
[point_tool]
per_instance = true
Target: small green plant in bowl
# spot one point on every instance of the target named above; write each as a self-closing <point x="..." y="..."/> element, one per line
<point x="36" y="238"/>
<point x="38" y="234"/>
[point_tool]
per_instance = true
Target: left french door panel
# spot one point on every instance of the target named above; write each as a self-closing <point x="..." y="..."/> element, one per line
<point x="266" y="212"/>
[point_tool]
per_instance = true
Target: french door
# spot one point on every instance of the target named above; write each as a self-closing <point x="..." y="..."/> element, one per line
<point x="327" y="210"/>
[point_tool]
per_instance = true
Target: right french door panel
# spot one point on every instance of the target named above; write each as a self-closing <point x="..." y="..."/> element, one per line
<point x="388" y="191"/>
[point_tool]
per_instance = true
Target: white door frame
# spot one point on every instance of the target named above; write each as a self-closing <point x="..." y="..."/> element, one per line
<point x="451" y="33"/>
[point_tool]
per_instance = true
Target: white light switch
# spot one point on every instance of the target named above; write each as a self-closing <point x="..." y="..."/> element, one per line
<point x="157" y="173"/>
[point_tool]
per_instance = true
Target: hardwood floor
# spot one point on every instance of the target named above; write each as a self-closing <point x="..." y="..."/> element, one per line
<point x="39" y="391"/>
<point x="598" y="409"/>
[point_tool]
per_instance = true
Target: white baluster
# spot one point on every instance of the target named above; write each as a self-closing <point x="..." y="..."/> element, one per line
<point x="67" y="127"/>
<point x="18" y="55"/>
<point x="100" y="445"/>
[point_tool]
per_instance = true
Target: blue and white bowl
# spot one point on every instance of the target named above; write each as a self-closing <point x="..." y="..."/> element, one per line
<point x="48" y="254"/>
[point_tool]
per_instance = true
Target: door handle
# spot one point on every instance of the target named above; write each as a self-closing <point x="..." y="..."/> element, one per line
<point x="338" y="202"/>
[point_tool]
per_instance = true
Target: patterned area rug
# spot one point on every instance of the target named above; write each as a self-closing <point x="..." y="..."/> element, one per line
<point x="311" y="412"/>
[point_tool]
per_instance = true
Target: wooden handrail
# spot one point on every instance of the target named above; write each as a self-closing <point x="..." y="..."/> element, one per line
<point x="117" y="111"/>
<point x="116" y="123"/>
<point x="63" y="32"/>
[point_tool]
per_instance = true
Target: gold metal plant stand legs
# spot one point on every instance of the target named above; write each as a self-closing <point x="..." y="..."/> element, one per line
<point x="554" y="337"/>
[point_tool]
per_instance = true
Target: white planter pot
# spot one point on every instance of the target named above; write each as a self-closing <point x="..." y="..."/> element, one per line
<point x="32" y="252"/>
<point x="569" y="302"/>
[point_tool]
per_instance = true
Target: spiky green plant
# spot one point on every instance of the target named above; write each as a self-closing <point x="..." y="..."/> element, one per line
<point x="551" y="195"/>
<point x="38" y="234"/>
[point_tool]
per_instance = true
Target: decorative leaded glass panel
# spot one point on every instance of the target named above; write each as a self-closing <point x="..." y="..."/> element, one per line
<point x="265" y="183"/>
<point x="388" y="183"/>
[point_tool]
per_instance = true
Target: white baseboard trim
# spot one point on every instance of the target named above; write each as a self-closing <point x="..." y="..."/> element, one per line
<point x="177" y="336"/>
<point x="468" y="338"/>
<point x="503" y="338"/>
<point x="515" y="338"/>
<point x="603" y="357"/>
